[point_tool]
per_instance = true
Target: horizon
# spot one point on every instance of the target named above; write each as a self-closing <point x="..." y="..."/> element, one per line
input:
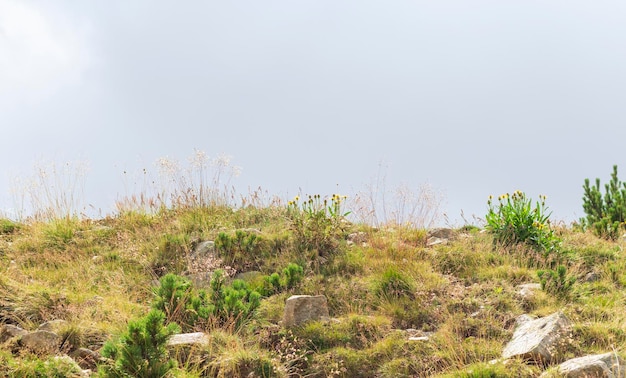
<point x="320" y="97"/>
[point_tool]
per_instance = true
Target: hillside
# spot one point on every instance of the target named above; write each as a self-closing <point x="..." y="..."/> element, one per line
<point x="403" y="302"/>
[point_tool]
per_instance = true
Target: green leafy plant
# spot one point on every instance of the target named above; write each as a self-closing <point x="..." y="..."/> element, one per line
<point x="141" y="350"/>
<point x="393" y="284"/>
<point x="556" y="282"/>
<point x="515" y="220"/>
<point x="317" y="223"/>
<point x="7" y="226"/>
<point x="224" y="305"/>
<point x="176" y="298"/>
<point x="232" y="304"/>
<point x="291" y="276"/>
<point x="605" y="214"/>
<point x="243" y="250"/>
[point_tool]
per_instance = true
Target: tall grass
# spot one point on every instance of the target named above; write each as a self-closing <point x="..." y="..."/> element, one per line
<point x="380" y="206"/>
<point x="201" y="182"/>
<point x="51" y="191"/>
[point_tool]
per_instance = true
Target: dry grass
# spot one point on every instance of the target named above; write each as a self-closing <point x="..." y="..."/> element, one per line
<point x="98" y="274"/>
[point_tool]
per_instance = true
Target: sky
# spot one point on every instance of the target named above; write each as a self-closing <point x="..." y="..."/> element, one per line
<point x="472" y="98"/>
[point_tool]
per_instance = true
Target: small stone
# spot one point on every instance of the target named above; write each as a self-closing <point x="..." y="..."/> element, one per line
<point x="302" y="308"/>
<point x="194" y="338"/>
<point x="420" y="338"/>
<point x="436" y="241"/>
<point x="526" y="291"/>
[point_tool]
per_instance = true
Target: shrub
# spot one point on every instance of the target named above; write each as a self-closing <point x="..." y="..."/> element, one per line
<point x="232" y="304"/>
<point x="141" y="350"/>
<point x="291" y="276"/>
<point x="515" y="220"/>
<point x="7" y="226"/>
<point x="556" y="282"/>
<point x="224" y="305"/>
<point x="317" y="223"/>
<point x="243" y="250"/>
<point x="605" y="214"/>
<point x="175" y="298"/>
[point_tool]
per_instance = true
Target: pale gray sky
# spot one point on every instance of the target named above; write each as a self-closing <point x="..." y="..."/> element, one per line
<point x="474" y="97"/>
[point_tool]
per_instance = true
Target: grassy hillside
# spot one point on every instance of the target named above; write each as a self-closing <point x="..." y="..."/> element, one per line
<point x="384" y="287"/>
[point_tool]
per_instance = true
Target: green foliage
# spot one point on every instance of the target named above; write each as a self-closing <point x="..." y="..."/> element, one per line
<point x="224" y="305"/>
<point x="317" y="223"/>
<point x="141" y="350"/>
<point x="7" y="226"/>
<point x="393" y="284"/>
<point x="556" y="282"/>
<point x="291" y="276"/>
<point x="60" y="232"/>
<point x="605" y="214"/>
<point x="176" y="299"/>
<point x="55" y="367"/>
<point x="232" y="304"/>
<point x="243" y="250"/>
<point x="515" y="220"/>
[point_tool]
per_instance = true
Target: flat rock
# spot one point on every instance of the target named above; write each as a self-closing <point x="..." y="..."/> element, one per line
<point x="607" y="365"/>
<point x="186" y="339"/>
<point x="538" y="339"/>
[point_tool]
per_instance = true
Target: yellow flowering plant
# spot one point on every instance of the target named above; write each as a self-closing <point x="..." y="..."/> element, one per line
<point x="317" y="222"/>
<point x="514" y="219"/>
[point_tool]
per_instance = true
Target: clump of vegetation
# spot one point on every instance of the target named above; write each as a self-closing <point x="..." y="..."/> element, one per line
<point x="8" y="226"/>
<point x="243" y="250"/>
<point x="605" y="213"/>
<point x="317" y="223"/>
<point x="291" y="276"/>
<point x="557" y="282"/>
<point x="225" y="304"/>
<point x="399" y="307"/>
<point x="141" y="350"/>
<point x="392" y="285"/>
<point x="516" y="220"/>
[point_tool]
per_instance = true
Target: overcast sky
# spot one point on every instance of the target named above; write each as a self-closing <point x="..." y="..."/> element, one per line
<point x="473" y="97"/>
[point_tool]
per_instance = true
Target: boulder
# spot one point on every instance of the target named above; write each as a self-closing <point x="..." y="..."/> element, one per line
<point x="303" y="308"/>
<point x="9" y="331"/>
<point x="608" y="365"/>
<point x="204" y="248"/>
<point x="538" y="339"/>
<point x="43" y="342"/>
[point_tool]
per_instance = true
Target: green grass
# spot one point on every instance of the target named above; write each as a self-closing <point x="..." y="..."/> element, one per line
<point x="99" y="275"/>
